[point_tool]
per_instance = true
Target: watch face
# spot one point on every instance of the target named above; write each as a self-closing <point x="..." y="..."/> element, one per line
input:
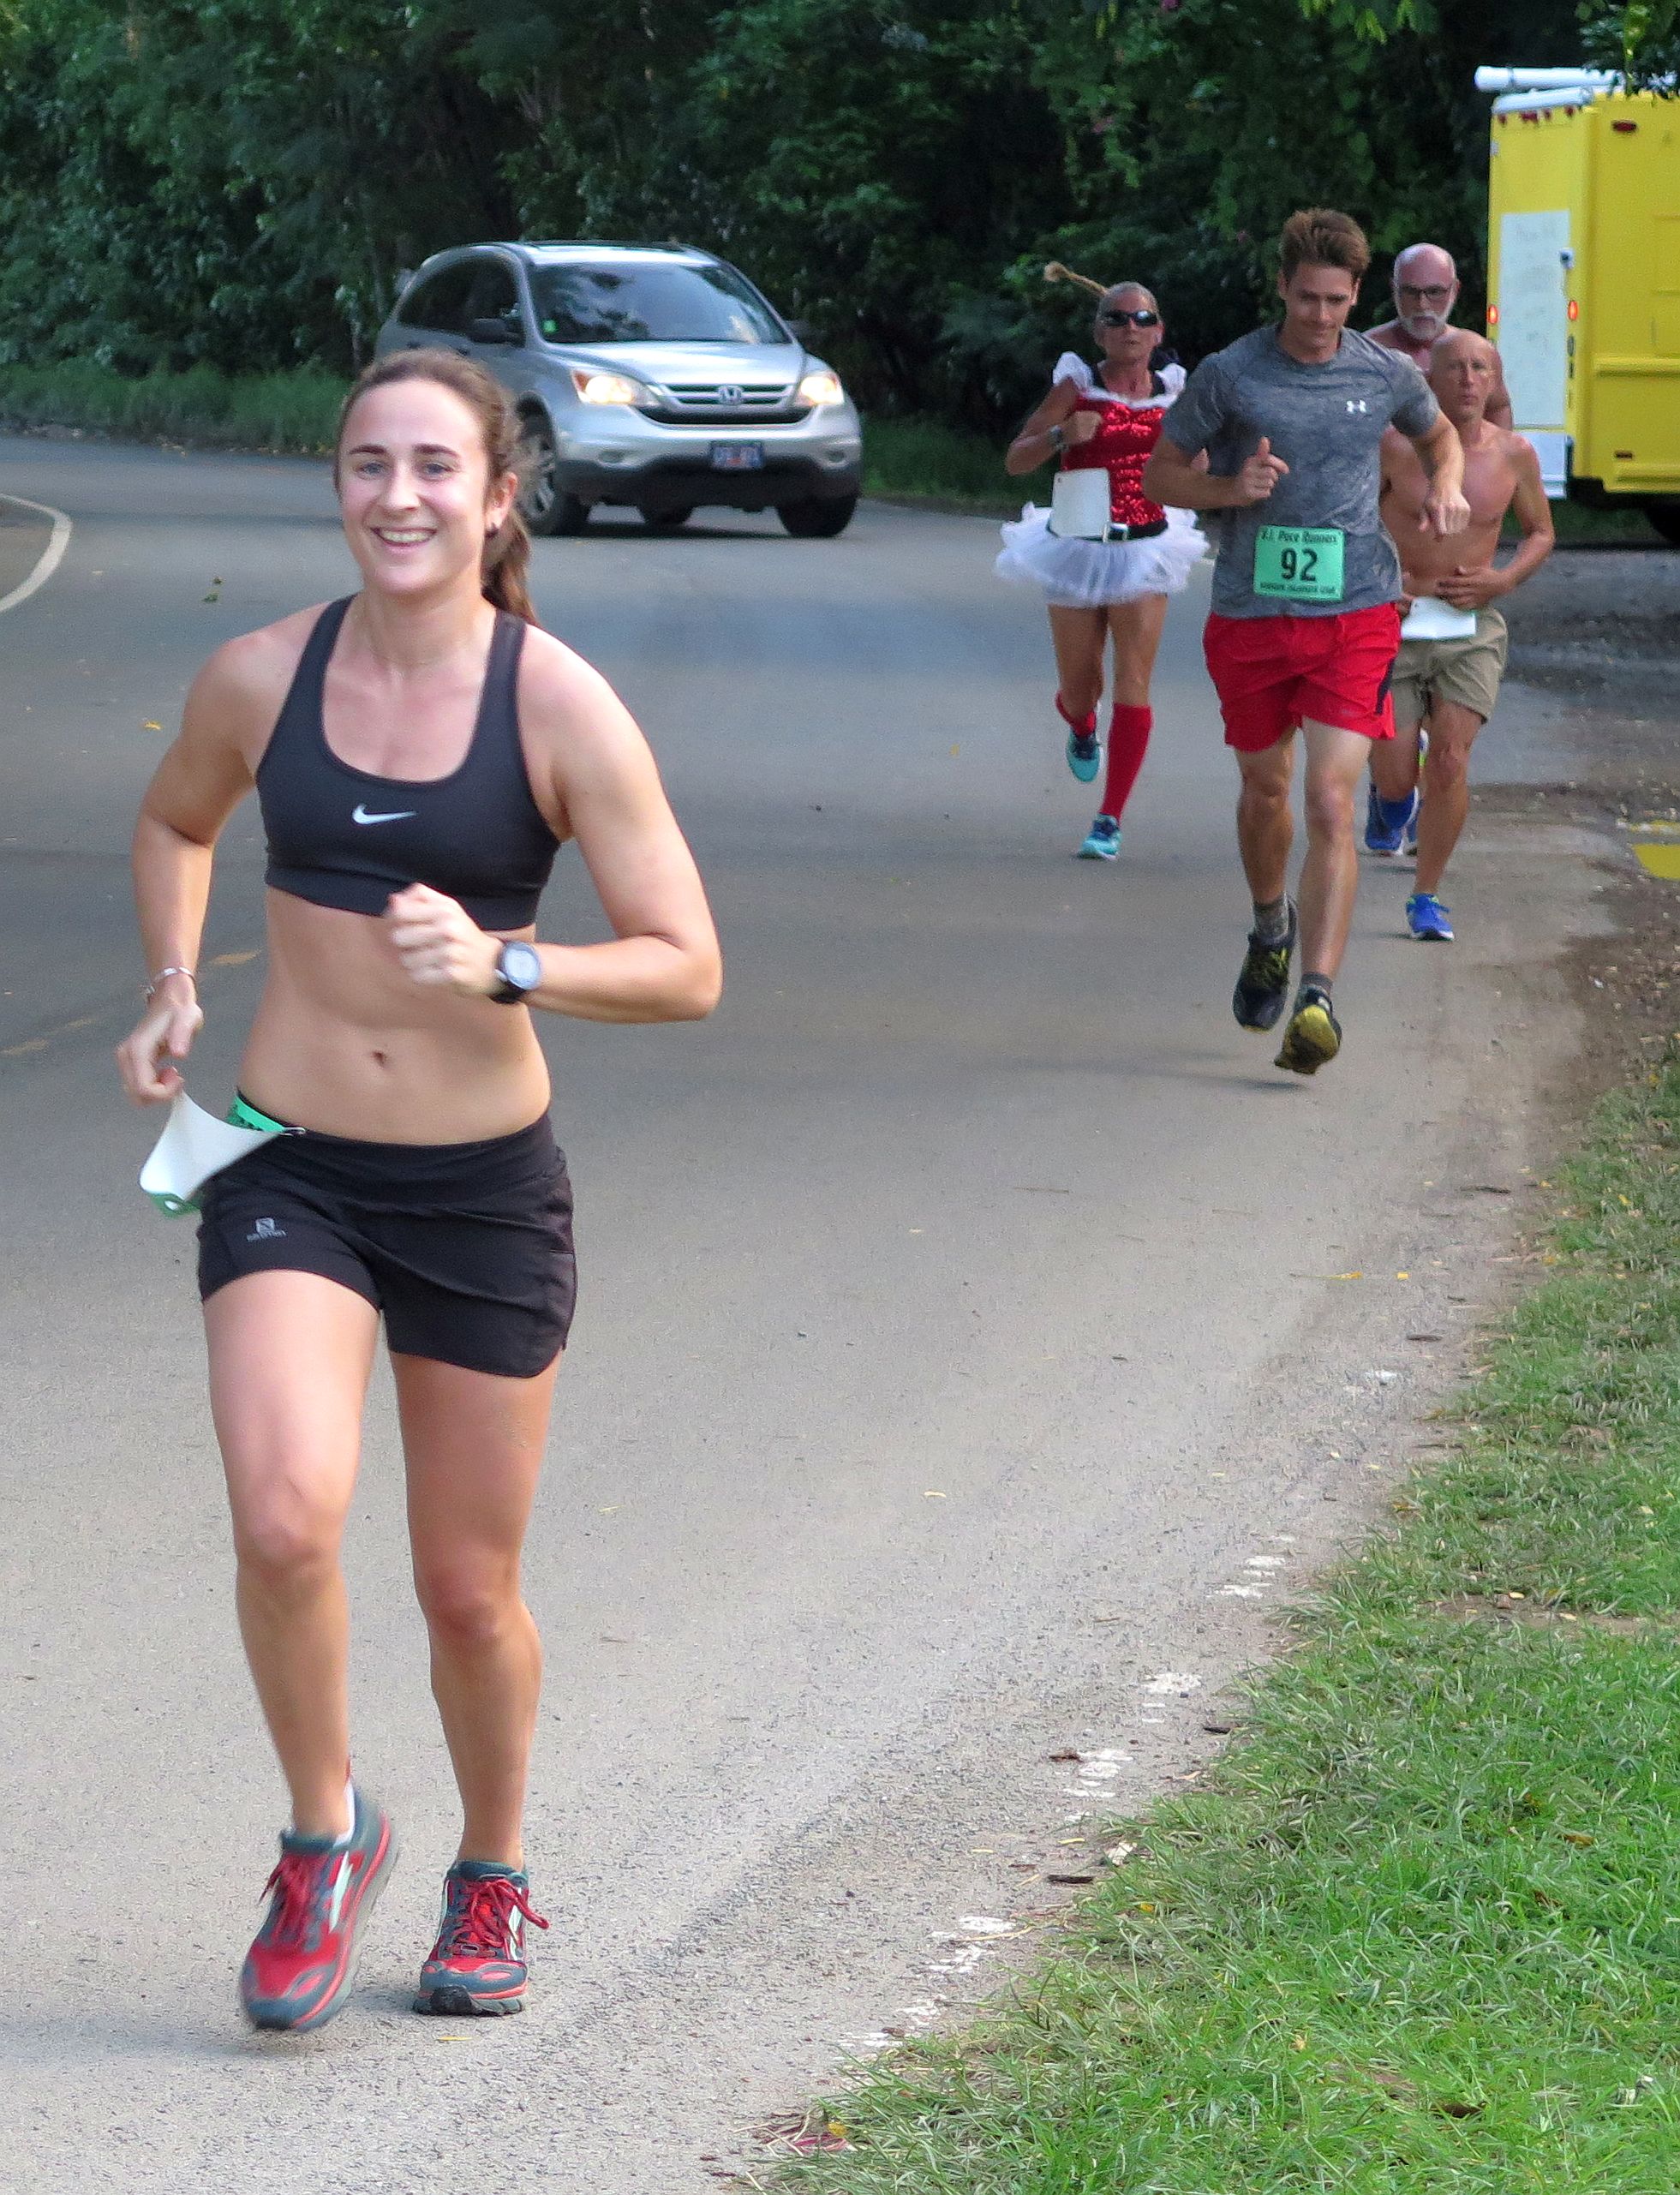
<point x="522" y="964"/>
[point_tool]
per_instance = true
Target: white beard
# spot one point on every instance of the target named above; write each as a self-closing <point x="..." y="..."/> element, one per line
<point x="1423" y="328"/>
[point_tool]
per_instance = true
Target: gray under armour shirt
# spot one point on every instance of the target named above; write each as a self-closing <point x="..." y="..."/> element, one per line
<point x="1326" y="423"/>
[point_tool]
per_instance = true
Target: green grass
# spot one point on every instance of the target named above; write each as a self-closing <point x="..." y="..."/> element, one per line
<point x="925" y="460"/>
<point x="1420" y="1934"/>
<point x="293" y="411"/>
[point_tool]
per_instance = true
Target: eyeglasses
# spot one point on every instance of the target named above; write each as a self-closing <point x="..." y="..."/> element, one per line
<point x="1141" y="318"/>
<point x="1433" y="297"/>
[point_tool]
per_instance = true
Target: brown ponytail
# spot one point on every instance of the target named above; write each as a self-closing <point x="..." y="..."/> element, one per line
<point x="507" y="552"/>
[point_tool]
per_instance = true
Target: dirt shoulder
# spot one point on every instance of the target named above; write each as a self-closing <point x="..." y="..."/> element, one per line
<point x="1594" y="682"/>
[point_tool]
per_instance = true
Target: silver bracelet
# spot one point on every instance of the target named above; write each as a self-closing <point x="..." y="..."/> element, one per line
<point x="163" y="975"/>
<point x="1058" y="440"/>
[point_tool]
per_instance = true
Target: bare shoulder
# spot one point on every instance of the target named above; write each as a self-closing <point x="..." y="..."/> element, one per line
<point x="240" y="688"/>
<point x="1519" y="452"/>
<point x="572" y="718"/>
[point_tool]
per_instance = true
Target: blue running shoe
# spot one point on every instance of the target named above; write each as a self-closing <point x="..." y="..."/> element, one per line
<point x="1102" y="841"/>
<point x="1427" y="919"/>
<point x="1084" y="751"/>
<point x="1386" y="821"/>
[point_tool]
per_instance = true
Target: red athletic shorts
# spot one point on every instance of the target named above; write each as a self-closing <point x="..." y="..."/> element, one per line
<point x="1271" y="673"/>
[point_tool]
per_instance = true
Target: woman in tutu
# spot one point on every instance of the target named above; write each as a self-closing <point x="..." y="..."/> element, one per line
<point x="1114" y="590"/>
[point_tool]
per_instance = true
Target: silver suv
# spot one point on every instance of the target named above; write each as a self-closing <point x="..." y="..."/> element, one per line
<point x="648" y="375"/>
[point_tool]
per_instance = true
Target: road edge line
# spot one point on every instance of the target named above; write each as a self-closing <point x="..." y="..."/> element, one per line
<point x="50" y="557"/>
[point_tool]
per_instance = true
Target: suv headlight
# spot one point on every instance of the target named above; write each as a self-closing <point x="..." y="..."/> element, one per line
<point x="594" y="385"/>
<point x="822" y="388"/>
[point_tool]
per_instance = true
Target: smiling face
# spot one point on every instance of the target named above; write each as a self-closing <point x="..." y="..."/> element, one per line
<point x="1127" y="346"/>
<point x="415" y="488"/>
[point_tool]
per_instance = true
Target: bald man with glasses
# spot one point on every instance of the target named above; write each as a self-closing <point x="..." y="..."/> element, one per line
<point x="1424" y="285"/>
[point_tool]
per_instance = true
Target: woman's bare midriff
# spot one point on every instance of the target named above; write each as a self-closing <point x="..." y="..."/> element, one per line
<point x="345" y="1042"/>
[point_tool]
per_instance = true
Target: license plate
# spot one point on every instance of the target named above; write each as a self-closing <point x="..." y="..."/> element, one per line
<point x="738" y="457"/>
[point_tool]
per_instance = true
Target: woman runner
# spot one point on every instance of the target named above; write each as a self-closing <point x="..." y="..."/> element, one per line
<point x="1113" y="590"/>
<point x="420" y="751"/>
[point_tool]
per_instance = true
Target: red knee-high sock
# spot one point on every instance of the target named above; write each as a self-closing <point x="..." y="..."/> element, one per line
<point x="1086" y="726"/>
<point x="1128" y="742"/>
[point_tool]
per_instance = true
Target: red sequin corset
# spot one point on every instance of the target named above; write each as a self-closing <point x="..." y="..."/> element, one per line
<point x="1126" y="434"/>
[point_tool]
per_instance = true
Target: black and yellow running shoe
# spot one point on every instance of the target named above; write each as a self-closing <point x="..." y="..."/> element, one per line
<point x="1313" y="1036"/>
<point x="1262" y="980"/>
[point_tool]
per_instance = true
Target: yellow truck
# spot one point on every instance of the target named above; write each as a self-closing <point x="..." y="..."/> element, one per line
<point x="1583" y="281"/>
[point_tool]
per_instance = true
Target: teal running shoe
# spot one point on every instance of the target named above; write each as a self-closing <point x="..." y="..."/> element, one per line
<point x="1425" y="918"/>
<point x="1084" y="751"/>
<point x="1102" y="840"/>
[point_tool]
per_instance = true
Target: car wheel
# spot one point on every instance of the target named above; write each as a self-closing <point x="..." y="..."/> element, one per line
<point x="817" y="519"/>
<point x="666" y="522"/>
<point x="1665" y="518"/>
<point x="543" y="504"/>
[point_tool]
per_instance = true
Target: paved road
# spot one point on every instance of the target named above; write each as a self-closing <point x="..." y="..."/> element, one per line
<point x="959" y="1372"/>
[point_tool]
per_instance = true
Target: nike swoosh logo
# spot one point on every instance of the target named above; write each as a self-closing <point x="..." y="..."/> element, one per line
<point x="359" y="815"/>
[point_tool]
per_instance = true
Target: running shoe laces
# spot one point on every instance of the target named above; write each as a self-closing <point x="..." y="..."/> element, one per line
<point x="478" y="1922"/>
<point x="298" y="1919"/>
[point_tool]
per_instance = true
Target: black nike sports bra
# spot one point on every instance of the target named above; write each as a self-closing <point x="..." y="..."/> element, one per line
<point x="340" y="837"/>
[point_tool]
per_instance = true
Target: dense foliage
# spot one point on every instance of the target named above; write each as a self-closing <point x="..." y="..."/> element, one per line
<point x="238" y="183"/>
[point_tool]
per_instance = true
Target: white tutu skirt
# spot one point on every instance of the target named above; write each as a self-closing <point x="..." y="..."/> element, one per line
<point x="1076" y="575"/>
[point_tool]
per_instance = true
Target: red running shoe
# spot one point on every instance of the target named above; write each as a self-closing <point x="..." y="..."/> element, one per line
<point x="299" y="1971"/>
<point x="478" y="1961"/>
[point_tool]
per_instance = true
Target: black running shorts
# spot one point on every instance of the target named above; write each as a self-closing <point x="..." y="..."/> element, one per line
<point x="465" y="1247"/>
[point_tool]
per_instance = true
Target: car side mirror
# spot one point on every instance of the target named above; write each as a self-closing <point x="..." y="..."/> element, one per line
<point x="491" y="330"/>
<point x="802" y="331"/>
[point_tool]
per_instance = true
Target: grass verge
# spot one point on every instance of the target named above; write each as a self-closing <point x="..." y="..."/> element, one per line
<point x="1420" y="1933"/>
<point x="281" y="412"/>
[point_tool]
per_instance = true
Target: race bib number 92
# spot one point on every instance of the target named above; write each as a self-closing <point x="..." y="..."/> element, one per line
<point x="1299" y="563"/>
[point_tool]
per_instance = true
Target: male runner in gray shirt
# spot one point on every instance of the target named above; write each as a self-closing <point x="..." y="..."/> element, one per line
<point x="1304" y="629"/>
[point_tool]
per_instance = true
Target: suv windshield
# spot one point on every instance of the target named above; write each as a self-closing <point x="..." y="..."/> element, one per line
<point x="579" y="303"/>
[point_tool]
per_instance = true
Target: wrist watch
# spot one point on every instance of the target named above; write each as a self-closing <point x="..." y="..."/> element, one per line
<point x="1058" y="438"/>
<point x="519" y="966"/>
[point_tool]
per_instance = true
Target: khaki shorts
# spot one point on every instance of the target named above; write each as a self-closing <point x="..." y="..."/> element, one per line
<point x="1466" y="671"/>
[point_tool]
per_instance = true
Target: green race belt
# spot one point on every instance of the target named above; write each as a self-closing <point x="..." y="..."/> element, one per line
<point x="243" y="1114"/>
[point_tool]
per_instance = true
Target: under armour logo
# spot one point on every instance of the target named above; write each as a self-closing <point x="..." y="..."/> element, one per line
<point x="1360" y="406"/>
<point x="266" y="1230"/>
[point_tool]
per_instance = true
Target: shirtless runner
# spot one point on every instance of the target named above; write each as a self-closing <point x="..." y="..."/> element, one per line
<point x="1450" y="685"/>
<point x="1425" y="287"/>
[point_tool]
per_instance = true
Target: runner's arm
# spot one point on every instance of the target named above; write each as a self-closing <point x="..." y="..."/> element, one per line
<point x="1180" y="479"/>
<point x="1038" y="440"/>
<point x="195" y="788"/>
<point x="1445" y="510"/>
<point x="1470" y="589"/>
<point x="663" y="963"/>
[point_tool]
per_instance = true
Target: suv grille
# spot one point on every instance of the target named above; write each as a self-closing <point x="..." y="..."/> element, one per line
<point x="721" y="403"/>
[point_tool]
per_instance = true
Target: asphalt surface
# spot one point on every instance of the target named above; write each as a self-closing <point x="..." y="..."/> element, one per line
<point x="978" y="1342"/>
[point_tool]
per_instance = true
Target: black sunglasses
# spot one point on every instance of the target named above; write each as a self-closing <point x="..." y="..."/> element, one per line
<point x="1142" y="317"/>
